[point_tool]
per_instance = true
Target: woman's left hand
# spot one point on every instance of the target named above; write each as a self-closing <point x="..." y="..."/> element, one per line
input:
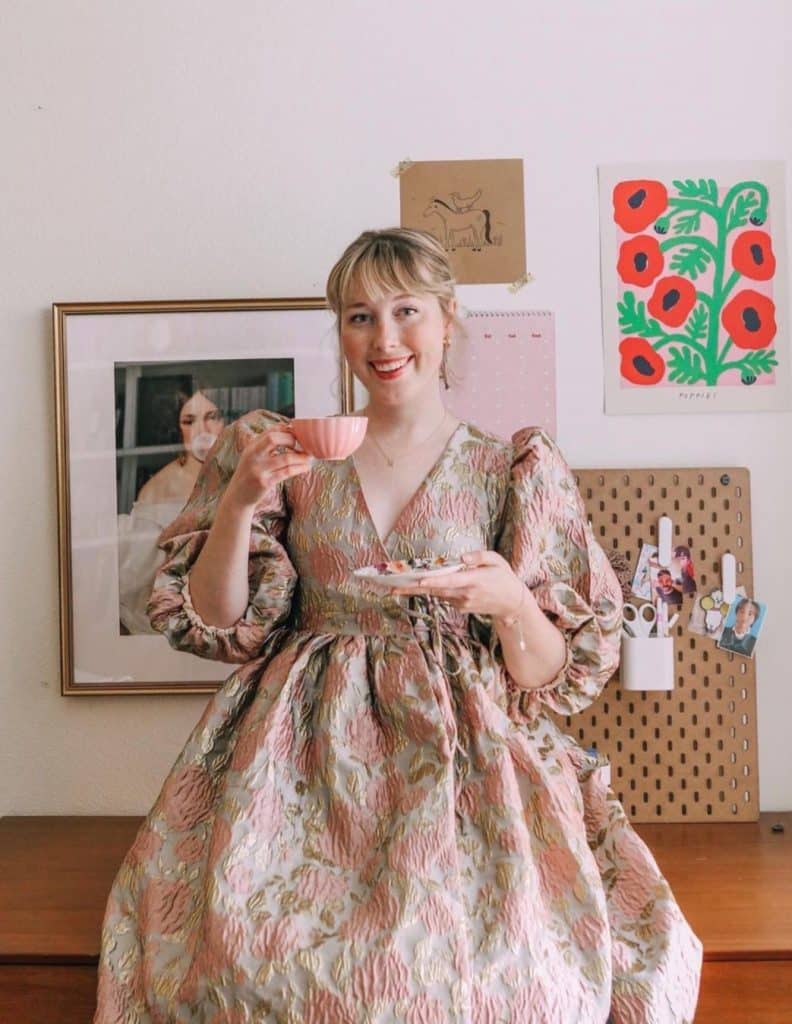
<point x="487" y="586"/>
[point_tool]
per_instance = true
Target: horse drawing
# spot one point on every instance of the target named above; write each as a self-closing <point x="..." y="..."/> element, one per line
<point x="477" y="222"/>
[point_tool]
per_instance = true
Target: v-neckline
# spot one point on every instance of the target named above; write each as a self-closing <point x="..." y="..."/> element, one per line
<point x="384" y="541"/>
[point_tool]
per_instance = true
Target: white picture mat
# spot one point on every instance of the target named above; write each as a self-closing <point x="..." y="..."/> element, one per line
<point x="94" y="344"/>
<point x="621" y="400"/>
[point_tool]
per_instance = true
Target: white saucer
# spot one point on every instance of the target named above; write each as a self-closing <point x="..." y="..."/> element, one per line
<point x="374" y="574"/>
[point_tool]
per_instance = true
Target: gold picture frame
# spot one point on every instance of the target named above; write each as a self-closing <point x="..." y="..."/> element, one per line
<point x="121" y="371"/>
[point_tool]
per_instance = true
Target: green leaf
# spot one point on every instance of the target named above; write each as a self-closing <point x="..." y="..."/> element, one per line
<point x="696" y="326"/>
<point x="741" y="211"/>
<point x="758" y="362"/>
<point x="685" y="366"/>
<point x="690" y="260"/>
<point x="704" y="188"/>
<point x="687" y="223"/>
<point x="633" y="318"/>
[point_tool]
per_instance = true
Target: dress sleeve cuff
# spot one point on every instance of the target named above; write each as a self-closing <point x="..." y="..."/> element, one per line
<point x="196" y="620"/>
<point x="525" y="703"/>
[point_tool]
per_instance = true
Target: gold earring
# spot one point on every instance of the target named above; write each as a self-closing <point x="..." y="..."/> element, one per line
<point x="444" y="363"/>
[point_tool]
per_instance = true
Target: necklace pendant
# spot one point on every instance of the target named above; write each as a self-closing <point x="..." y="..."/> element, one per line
<point x="389" y="460"/>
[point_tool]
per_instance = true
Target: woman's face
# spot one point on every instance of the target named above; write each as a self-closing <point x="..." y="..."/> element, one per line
<point x="200" y="423"/>
<point x="394" y="344"/>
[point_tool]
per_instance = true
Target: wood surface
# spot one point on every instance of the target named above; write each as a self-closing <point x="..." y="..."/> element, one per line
<point x="47" y="993"/>
<point x="740" y="992"/>
<point x="745" y="992"/>
<point x="733" y="882"/>
<point x="55" y="874"/>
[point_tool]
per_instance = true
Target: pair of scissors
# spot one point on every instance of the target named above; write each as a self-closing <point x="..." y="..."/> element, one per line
<point x="639" y="620"/>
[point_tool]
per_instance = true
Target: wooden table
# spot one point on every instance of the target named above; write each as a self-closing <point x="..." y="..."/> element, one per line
<point x="733" y="881"/>
<point x="734" y="884"/>
<point x="55" y="874"/>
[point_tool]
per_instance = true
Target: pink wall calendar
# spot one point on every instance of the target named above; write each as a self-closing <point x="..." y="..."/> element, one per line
<point x="503" y="372"/>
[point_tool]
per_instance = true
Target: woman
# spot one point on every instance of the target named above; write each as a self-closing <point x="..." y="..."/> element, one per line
<point x="200" y="424"/>
<point x="158" y="503"/>
<point x="375" y="820"/>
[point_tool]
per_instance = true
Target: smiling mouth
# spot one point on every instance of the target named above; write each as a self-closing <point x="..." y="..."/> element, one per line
<point x="389" y="368"/>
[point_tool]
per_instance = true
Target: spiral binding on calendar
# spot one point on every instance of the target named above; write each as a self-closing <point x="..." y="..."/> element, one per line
<point x="471" y="314"/>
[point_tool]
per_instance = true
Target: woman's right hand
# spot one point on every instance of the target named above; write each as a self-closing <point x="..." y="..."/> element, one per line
<point x="265" y="462"/>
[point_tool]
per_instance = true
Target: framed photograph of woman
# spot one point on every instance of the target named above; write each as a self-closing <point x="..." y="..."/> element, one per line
<point x="143" y="390"/>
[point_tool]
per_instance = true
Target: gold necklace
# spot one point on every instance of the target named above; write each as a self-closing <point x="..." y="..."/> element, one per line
<point x="391" y="459"/>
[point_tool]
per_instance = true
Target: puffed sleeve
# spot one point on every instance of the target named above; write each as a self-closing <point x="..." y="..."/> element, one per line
<point x="546" y="538"/>
<point x="271" y="576"/>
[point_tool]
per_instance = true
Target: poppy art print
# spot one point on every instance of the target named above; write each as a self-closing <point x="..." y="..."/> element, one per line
<point x="694" y="288"/>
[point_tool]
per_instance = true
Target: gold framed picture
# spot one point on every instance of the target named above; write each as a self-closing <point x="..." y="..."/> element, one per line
<point x="142" y="389"/>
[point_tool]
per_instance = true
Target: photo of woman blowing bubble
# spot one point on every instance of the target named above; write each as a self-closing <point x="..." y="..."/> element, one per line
<point x="177" y="413"/>
<point x="158" y="502"/>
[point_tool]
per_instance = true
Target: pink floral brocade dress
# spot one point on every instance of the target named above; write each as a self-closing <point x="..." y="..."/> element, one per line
<point x="371" y="824"/>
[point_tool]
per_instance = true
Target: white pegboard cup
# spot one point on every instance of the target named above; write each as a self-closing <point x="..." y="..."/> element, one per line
<point x="647" y="663"/>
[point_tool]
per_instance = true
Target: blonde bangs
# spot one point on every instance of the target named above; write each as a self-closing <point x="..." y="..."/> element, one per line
<point x="396" y="260"/>
<point x="377" y="273"/>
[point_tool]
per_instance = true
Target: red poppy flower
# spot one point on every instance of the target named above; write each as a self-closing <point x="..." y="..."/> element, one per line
<point x="752" y="255"/>
<point x="640" y="260"/>
<point x="750" y="319"/>
<point x="636" y="204"/>
<point x="672" y="300"/>
<point x="640" y="364"/>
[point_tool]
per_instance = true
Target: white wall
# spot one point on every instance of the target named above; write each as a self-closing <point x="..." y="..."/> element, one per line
<point x="175" y="148"/>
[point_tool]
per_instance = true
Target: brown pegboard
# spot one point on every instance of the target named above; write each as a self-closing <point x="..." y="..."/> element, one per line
<point x="689" y="754"/>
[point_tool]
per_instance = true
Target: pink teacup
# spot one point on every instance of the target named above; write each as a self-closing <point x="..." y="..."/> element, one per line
<point x="333" y="437"/>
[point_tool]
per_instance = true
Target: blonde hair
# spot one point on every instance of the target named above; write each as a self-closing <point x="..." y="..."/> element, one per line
<point x="393" y="260"/>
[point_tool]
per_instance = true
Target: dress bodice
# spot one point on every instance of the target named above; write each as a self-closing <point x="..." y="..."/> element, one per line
<point x="456" y="509"/>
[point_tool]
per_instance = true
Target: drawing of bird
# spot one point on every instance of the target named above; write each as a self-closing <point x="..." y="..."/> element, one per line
<point x="464" y="203"/>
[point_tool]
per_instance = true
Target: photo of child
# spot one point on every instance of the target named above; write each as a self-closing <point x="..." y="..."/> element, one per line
<point x="742" y="627"/>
